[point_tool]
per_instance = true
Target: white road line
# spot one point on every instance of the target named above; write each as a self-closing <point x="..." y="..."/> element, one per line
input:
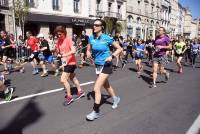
<point x="195" y="128"/>
<point x="42" y="93"/>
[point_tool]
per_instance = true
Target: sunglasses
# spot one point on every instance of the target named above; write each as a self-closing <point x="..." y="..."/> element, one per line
<point x="97" y="25"/>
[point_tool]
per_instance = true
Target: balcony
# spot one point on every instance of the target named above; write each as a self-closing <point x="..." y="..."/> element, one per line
<point x="4" y="4"/>
<point x="146" y="1"/>
<point x="165" y="3"/>
<point x="109" y="14"/>
<point x="121" y="0"/>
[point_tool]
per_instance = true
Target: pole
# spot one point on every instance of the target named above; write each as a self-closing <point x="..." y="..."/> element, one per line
<point x="14" y="26"/>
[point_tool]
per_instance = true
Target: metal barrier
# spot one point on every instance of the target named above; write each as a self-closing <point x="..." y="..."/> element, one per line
<point x="22" y="53"/>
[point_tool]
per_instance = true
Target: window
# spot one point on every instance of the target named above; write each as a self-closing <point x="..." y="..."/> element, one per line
<point x="119" y="9"/>
<point x="76" y="6"/>
<point x="98" y="5"/>
<point x="4" y="2"/>
<point x="56" y="5"/>
<point x="31" y="3"/>
<point x="130" y="19"/>
<point x="109" y="7"/>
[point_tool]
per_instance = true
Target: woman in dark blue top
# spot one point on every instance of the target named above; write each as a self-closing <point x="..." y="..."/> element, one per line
<point x="99" y="44"/>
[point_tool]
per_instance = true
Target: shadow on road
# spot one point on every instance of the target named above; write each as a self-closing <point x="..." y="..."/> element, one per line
<point x="104" y="98"/>
<point x="147" y="72"/>
<point x="148" y="80"/>
<point x="28" y="115"/>
<point x="133" y="69"/>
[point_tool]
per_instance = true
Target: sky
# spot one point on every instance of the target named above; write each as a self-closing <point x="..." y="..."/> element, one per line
<point x="194" y="6"/>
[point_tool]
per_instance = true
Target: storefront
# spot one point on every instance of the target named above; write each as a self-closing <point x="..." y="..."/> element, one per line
<point x="2" y="22"/>
<point x="40" y="23"/>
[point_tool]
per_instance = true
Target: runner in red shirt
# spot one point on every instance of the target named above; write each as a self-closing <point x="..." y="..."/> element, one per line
<point x="32" y="43"/>
<point x="66" y="51"/>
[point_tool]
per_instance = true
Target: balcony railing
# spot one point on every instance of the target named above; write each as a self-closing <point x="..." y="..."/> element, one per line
<point x="165" y="3"/>
<point x="109" y="14"/>
<point x="4" y="3"/>
<point x="121" y="0"/>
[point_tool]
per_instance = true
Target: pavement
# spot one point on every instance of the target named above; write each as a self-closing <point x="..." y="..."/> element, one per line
<point x="171" y="108"/>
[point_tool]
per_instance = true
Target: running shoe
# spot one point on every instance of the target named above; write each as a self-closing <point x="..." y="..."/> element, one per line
<point x="68" y="100"/>
<point x="115" y="102"/>
<point x="123" y="65"/>
<point x="6" y="72"/>
<point x="56" y="73"/>
<point x="92" y="116"/>
<point x="22" y="70"/>
<point x="8" y="96"/>
<point x="35" y="71"/>
<point x="153" y="86"/>
<point x="80" y="95"/>
<point x="167" y="76"/>
<point x="44" y="74"/>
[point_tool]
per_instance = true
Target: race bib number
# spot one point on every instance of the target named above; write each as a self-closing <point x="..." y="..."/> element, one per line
<point x="63" y="61"/>
<point x="98" y="69"/>
<point x="32" y="55"/>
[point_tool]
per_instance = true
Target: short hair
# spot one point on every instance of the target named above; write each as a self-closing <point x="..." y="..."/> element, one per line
<point x="29" y="32"/>
<point x="163" y="29"/>
<point x="60" y="29"/>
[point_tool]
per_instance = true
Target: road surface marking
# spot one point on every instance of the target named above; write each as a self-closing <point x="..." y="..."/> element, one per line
<point x="42" y="93"/>
<point x="195" y="128"/>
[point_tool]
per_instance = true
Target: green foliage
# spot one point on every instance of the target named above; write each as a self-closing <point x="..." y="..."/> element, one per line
<point x="21" y="10"/>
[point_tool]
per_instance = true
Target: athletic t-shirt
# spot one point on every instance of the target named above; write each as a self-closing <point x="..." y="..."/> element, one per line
<point x="84" y="40"/>
<point x="195" y="48"/>
<point x="32" y="42"/>
<point x="161" y="41"/>
<point x="179" y="47"/>
<point x="6" y="41"/>
<point x="100" y="48"/>
<point x="64" y="47"/>
<point x="139" y="50"/>
<point x="46" y="52"/>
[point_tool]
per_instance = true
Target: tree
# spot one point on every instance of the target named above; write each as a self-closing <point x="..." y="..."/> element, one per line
<point x="110" y="24"/>
<point x="21" y="10"/>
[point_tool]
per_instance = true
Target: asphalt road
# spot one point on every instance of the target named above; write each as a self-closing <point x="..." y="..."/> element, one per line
<point x="171" y="108"/>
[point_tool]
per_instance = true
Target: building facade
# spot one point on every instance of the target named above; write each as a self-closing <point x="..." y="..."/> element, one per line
<point x="45" y="15"/>
<point x="180" y="20"/>
<point x="173" y="18"/>
<point x="6" y="21"/>
<point x="187" y="23"/>
<point x="143" y="18"/>
<point x="165" y="14"/>
<point x="114" y="10"/>
<point x="194" y="29"/>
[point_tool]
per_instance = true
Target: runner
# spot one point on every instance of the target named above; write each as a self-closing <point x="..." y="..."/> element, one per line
<point x="180" y="48"/>
<point x="99" y="45"/>
<point x="118" y="38"/>
<point x="84" y="42"/>
<point x="6" y="91"/>
<point x="195" y="48"/>
<point x="129" y="50"/>
<point x="32" y="43"/>
<point x="7" y="50"/>
<point x="139" y="55"/>
<point x="45" y="55"/>
<point x="66" y="51"/>
<point x="149" y="47"/>
<point x="162" y="44"/>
